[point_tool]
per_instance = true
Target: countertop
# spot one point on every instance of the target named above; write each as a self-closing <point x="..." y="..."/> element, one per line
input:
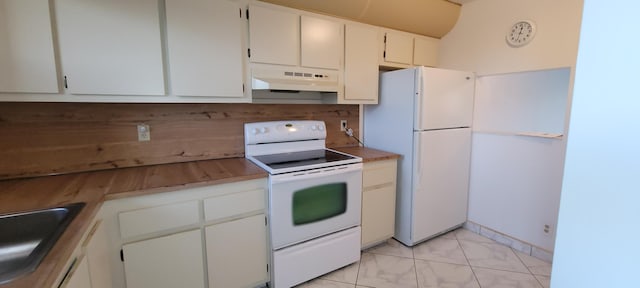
<point x="95" y="187"/>
<point x="368" y="154"/>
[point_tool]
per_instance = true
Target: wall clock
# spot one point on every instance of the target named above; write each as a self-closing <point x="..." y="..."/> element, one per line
<point x="521" y="33"/>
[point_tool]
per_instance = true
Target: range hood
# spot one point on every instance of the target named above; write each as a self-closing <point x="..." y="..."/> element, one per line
<point x="294" y="79"/>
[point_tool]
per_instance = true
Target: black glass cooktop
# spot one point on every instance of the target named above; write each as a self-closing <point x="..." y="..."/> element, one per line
<point x="302" y="158"/>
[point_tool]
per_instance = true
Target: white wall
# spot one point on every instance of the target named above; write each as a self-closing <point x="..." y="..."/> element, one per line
<point x="477" y="41"/>
<point x="597" y="244"/>
<point x="515" y="180"/>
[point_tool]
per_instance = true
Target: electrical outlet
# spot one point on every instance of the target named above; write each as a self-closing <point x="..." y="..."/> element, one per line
<point x="546" y="229"/>
<point x="343" y="125"/>
<point x="144" y="133"/>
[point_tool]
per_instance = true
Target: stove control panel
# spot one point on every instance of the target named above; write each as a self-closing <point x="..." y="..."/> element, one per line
<point x="283" y="131"/>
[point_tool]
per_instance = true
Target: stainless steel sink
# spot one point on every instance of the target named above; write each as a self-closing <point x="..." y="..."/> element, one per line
<point x="25" y="238"/>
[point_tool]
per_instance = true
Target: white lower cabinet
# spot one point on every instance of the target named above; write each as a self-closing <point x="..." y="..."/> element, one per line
<point x="170" y="261"/>
<point x="79" y="277"/>
<point x="212" y="236"/>
<point x="378" y="201"/>
<point x="237" y="252"/>
<point x="90" y="268"/>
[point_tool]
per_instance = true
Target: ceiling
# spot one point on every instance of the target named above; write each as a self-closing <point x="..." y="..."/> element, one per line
<point x="433" y="18"/>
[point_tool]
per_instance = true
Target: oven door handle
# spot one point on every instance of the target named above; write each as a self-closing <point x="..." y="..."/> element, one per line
<point x="315" y="173"/>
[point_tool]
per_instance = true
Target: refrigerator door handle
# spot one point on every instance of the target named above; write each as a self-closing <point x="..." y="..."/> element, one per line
<point x="416" y="156"/>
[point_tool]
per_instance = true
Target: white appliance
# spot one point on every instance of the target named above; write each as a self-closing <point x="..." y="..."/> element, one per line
<point x="314" y="199"/>
<point x="425" y="114"/>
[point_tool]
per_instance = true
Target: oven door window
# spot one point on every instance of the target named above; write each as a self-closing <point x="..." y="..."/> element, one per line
<point x="318" y="203"/>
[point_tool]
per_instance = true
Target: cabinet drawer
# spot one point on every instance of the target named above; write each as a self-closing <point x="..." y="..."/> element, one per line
<point x="377" y="173"/>
<point x="149" y="220"/>
<point x="233" y="204"/>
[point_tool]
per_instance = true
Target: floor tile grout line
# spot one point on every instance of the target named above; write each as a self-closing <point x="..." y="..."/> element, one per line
<point x="468" y="262"/>
<point x="415" y="267"/>
<point x="527" y="266"/>
<point x="358" y="273"/>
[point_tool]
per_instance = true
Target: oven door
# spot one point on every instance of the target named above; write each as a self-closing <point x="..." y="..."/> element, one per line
<point x="308" y="204"/>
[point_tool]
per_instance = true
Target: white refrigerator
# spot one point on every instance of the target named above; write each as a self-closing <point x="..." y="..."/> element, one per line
<point x="425" y="114"/>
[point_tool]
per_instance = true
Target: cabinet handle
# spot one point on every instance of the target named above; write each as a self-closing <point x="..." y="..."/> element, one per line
<point x="65" y="82"/>
<point x="121" y="255"/>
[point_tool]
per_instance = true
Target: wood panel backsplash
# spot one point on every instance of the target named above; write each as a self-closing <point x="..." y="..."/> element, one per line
<point x="51" y="138"/>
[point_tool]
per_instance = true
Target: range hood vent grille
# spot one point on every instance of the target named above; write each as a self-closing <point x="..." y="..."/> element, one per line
<point x="295" y="80"/>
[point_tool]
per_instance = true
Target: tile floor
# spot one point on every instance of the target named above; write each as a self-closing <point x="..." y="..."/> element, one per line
<point x="459" y="258"/>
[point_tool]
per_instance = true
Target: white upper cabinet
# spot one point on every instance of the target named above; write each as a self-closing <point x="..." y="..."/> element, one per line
<point x="274" y="36"/>
<point x="27" y="62"/>
<point x="321" y="43"/>
<point x="398" y="48"/>
<point x="205" y="47"/>
<point x="361" y="64"/>
<point x="401" y="49"/>
<point x="425" y="51"/>
<point x="111" y="47"/>
<point x="284" y="37"/>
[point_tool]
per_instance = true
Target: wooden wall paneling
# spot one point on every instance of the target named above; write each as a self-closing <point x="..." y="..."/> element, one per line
<point x="50" y="138"/>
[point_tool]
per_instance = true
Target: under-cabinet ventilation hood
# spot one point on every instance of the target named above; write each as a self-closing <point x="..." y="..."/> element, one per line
<point x="295" y="79"/>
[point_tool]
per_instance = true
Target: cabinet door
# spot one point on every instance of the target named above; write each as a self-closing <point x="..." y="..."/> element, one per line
<point x="97" y="255"/>
<point x="170" y="261"/>
<point x="398" y="48"/>
<point x="321" y="43"/>
<point x="425" y="51"/>
<point x="237" y="253"/>
<point x="274" y="36"/>
<point x="111" y="47"/>
<point x="205" y="47"/>
<point x="361" y="64"/>
<point x="26" y="47"/>
<point x="79" y="277"/>
<point x="378" y="201"/>
<point x="378" y="214"/>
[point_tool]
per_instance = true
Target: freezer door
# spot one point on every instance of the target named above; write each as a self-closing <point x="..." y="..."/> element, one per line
<point x="441" y="181"/>
<point x="444" y="98"/>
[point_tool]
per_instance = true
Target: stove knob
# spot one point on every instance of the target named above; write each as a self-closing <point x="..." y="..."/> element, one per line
<point x="264" y="130"/>
<point x="314" y="127"/>
<point x="321" y="127"/>
<point x="255" y="131"/>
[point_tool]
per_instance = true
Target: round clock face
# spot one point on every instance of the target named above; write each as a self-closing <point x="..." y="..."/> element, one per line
<point x="521" y="33"/>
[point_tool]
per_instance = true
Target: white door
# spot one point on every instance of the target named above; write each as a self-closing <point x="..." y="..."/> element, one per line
<point x="447" y="98"/>
<point x="27" y="62"/>
<point x="205" y="48"/>
<point x="97" y="253"/>
<point x="165" y="262"/>
<point x="425" y="51"/>
<point x="111" y="47"/>
<point x="80" y="277"/>
<point x="321" y="43"/>
<point x="361" y="64"/>
<point x="274" y="36"/>
<point x="440" y="181"/>
<point x="398" y="48"/>
<point x="237" y="252"/>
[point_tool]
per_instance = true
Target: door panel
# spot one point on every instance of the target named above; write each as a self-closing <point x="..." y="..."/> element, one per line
<point x="170" y="261"/>
<point x="447" y="99"/>
<point x="237" y="252"/>
<point x="441" y="181"/>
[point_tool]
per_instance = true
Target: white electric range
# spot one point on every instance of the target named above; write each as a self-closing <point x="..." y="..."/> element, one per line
<point x="314" y="199"/>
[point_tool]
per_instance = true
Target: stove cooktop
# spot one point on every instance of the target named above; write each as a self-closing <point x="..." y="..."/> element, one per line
<point x="302" y="160"/>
